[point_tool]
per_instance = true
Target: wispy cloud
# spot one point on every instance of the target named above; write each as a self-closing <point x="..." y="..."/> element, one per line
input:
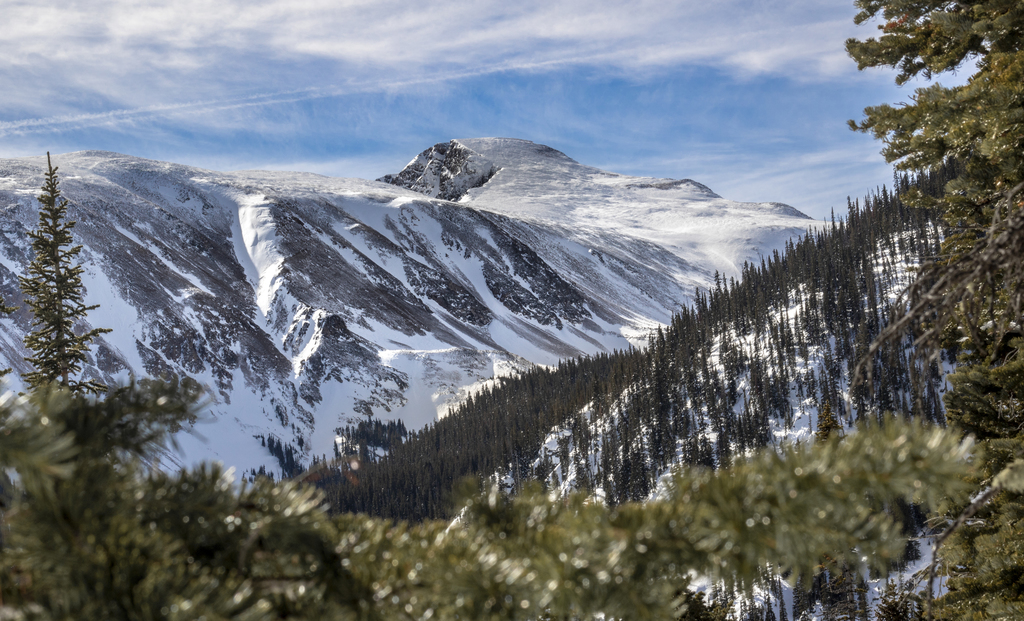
<point x="748" y="96"/>
<point x="110" y="61"/>
<point x="75" y="121"/>
<point x="397" y="34"/>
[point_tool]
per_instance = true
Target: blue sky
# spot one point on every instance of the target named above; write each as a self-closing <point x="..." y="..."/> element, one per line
<point x="748" y="97"/>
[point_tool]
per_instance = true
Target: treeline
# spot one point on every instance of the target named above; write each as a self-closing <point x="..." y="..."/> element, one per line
<point x="500" y="426"/>
<point x="752" y="356"/>
<point x="764" y="354"/>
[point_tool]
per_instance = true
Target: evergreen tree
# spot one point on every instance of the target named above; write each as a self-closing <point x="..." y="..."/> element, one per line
<point x="973" y="295"/>
<point x="828" y="425"/>
<point x="53" y="290"/>
<point x="863" y="610"/>
<point x="6" y="310"/>
<point x="693" y="608"/>
<point x="979" y="278"/>
<point x="897" y="603"/>
<point x="97" y="533"/>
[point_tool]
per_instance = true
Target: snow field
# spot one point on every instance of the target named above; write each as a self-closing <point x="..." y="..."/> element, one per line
<point x="589" y="227"/>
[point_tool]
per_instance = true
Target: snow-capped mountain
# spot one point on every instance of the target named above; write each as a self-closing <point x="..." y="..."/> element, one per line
<point x="305" y="302"/>
<point x="536" y="183"/>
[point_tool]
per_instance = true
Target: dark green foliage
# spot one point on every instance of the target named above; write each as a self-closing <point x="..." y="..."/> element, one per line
<point x="285" y="454"/>
<point x="362" y="440"/>
<point x="6" y="310"/>
<point x="99" y="534"/>
<point x="988" y="400"/>
<point x="102" y="535"/>
<point x="985" y="556"/>
<point x="53" y="290"/>
<point x="973" y="294"/>
<point x="897" y="603"/>
<point x="863" y="610"/>
<point x="980" y="123"/>
<point x="692" y="607"/>
<point x="828" y="425"/>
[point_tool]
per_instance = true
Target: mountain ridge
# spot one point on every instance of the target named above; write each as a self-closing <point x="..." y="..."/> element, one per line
<point x="307" y="302"/>
<point x="752" y="364"/>
<point x="537" y="183"/>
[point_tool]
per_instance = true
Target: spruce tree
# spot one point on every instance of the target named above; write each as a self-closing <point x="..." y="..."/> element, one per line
<point x="53" y="290"/>
<point x="828" y="425"/>
<point x="973" y="295"/>
<point x="896" y="603"/>
<point x="100" y="534"/>
<point x="6" y="310"/>
<point x="978" y="282"/>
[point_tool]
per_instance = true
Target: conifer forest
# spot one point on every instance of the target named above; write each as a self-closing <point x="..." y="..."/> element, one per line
<point x="752" y="356"/>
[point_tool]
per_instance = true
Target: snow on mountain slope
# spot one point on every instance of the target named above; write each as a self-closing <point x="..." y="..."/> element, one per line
<point x="531" y="181"/>
<point x="306" y="302"/>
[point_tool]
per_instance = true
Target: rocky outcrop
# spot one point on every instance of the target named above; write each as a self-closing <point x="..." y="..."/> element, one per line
<point x="446" y="170"/>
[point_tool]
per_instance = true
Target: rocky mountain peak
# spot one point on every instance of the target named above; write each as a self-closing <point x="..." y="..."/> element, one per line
<point x="446" y="170"/>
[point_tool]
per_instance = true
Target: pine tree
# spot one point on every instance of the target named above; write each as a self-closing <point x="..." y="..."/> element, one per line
<point x="6" y="310"/>
<point x="897" y="603"/>
<point x="99" y="534"/>
<point x="863" y="610"/>
<point x="973" y="296"/>
<point x="693" y="608"/>
<point x="53" y="290"/>
<point x="828" y="425"/>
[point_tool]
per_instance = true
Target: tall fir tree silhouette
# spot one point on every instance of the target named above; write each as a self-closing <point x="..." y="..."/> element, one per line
<point x="53" y="290"/>
<point x="828" y="424"/>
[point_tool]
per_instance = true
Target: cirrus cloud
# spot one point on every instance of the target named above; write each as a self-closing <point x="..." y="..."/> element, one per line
<point x="76" y="59"/>
<point x="750" y="96"/>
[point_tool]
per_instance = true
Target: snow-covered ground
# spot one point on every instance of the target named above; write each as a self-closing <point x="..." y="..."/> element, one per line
<point x="560" y="454"/>
<point x="306" y="302"/>
<point x="535" y="182"/>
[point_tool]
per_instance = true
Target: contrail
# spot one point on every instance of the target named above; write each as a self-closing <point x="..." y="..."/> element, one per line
<point x="193" y="107"/>
<point x="115" y="117"/>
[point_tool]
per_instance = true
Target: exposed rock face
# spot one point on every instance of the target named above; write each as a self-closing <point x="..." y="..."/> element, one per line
<point x="446" y="170"/>
<point x="673" y="184"/>
<point x="304" y="302"/>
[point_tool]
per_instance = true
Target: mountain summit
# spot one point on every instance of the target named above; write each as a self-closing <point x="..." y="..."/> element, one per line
<point x="305" y="303"/>
<point x="531" y="181"/>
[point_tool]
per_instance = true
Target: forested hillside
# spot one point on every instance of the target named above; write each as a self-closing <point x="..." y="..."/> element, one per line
<point x="753" y="361"/>
<point x="100" y="533"/>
